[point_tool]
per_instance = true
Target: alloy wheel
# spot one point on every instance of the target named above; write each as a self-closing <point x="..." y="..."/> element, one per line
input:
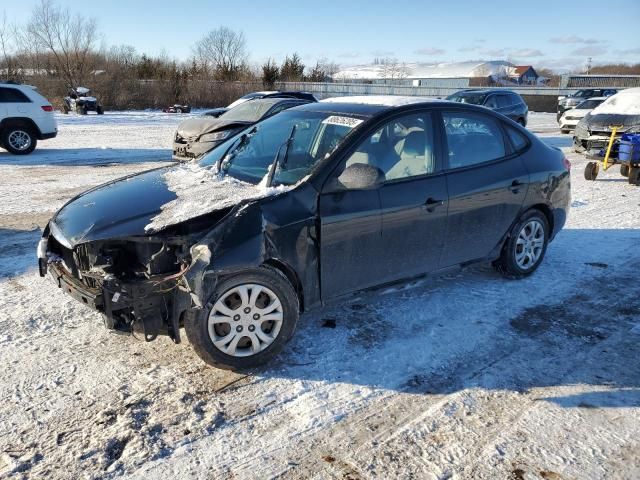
<point x="245" y="320"/>
<point x="530" y="244"/>
<point x="19" y="140"/>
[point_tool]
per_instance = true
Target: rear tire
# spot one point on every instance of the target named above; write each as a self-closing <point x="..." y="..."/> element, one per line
<point x="99" y="110"/>
<point x="18" y="140"/>
<point x="229" y="318"/>
<point x="634" y="176"/>
<point x="591" y="171"/>
<point x="525" y="247"/>
<point x="565" y="131"/>
<point x="624" y="170"/>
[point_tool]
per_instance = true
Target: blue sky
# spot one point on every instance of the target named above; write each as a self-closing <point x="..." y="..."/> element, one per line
<point x="543" y="33"/>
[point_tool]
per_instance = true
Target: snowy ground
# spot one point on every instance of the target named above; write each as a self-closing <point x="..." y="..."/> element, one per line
<point x="462" y="376"/>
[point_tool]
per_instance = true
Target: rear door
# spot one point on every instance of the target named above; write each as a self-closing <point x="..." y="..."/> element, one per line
<point x="486" y="182"/>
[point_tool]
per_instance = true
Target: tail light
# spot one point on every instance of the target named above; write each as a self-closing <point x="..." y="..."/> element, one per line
<point x="567" y="163"/>
<point x="47" y="108"/>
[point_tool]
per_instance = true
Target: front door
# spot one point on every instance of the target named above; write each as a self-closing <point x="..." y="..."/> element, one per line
<point x="396" y="230"/>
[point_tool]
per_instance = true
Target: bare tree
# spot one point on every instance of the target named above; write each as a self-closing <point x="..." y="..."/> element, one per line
<point x="70" y="39"/>
<point x="222" y="51"/>
<point x="392" y="69"/>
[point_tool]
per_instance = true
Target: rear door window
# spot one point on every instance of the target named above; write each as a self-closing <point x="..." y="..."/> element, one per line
<point x="504" y="101"/>
<point x="12" y="95"/>
<point x="472" y="138"/>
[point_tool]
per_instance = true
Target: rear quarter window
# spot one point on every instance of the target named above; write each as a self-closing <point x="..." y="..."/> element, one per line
<point x="12" y="95"/>
<point x="518" y="139"/>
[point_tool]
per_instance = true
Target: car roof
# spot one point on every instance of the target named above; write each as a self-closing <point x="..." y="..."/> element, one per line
<point x="274" y="100"/>
<point x="369" y="106"/>
<point x="487" y="90"/>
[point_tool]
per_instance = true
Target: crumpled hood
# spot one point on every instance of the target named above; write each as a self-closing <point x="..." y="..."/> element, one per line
<point x="194" y="127"/>
<point x="604" y="120"/>
<point x="116" y="209"/>
<point x="151" y="201"/>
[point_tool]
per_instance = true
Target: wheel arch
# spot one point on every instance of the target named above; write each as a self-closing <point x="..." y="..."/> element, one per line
<point x="290" y="274"/>
<point x="15" y="121"/>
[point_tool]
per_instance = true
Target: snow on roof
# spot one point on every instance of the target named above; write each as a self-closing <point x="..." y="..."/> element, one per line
<point x="626" y="102"/>
<point x="383" y="100"/>
<point x="424" y="70"/>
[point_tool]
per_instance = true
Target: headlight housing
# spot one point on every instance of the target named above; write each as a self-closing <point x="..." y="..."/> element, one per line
<point x="214" y="137"/>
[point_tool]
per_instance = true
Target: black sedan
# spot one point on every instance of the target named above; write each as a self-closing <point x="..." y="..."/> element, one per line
<point x="196" y="136"/>
<point x="303" y="208"/>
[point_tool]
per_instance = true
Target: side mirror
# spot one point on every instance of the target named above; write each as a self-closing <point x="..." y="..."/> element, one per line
<point x="360" y="176"/>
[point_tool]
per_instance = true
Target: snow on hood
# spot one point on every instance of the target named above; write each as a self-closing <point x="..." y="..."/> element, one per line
<point x="627" y="102"/>
<point x="201" y="190"/>
<point x="383" y="100"/>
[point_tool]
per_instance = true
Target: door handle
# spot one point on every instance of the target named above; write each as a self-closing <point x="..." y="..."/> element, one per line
<point x="431" y="204"/>
<point x="515" y="186"/>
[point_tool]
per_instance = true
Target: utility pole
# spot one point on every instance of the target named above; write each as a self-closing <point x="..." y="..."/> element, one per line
<point x="589" y="66"/>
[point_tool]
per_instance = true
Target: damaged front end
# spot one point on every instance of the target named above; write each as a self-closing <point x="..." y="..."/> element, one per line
<point x="138" y="283"/>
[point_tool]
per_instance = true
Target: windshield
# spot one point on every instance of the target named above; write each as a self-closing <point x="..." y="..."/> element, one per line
<point x="247" y="112"/>
<point x="467" y="97"/>
<point x="249" y="156"/>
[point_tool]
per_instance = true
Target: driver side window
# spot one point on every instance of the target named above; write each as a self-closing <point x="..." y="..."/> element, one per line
<point x="402" y="148"/>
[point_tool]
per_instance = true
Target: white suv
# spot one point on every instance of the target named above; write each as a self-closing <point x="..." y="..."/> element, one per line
<point x="25" y="117"/>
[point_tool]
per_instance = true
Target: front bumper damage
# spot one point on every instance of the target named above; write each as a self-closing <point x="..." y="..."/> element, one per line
<point x="151" y="305"/>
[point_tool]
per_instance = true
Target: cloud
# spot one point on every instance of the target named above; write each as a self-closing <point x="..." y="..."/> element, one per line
<point x="498" y="52"/>
<point x="590" y="51"/>
<point x="629" y="51"/>
<point x="349" y="55"/>
<point x="429" y="51"/>
<point x="382" y="53"/>
<point x="575" y="39"/>
<point x="468" y="49"/>
<point x="526" y="53"/>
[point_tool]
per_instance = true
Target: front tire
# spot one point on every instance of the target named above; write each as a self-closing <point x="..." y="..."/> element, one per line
<point x="247" y="321"/>
<point x="18" y="140"/>
<point x="526" y="246"/>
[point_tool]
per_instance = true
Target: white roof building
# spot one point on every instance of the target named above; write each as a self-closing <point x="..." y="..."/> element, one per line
<point x="494" y="68"/>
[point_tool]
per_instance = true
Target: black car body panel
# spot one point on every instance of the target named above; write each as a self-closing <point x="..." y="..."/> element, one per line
<point x="327" y="242"/>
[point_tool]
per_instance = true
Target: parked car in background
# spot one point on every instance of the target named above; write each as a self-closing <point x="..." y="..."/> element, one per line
<point x="506" y="102"/>
<point x="273" y="93"/>
<point x="177" y="108"/>
<point x="304" y="208"/>
<point x="571" y="117"/>
<point x="196" y="136"/>
<point x="621" y="110"/>
<point x="81" y="101"/>
<point x="25" y="117"/>
<point x="565" y="102"/>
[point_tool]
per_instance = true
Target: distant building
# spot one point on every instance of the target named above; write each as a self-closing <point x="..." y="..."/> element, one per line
<point x="457" y="74"/>
<point x="523" y="75"/>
